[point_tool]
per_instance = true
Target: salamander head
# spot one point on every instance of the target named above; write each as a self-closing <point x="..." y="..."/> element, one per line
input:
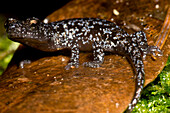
<point x="31" y="32"/>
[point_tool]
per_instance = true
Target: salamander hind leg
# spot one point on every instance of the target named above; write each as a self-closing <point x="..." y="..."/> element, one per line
<point x="154" y="50"/>
<point x="98" y="54"/>
<point x="140" y="38"/>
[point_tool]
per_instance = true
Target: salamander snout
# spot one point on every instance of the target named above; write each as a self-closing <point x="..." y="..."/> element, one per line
<point x="9" y="22"/>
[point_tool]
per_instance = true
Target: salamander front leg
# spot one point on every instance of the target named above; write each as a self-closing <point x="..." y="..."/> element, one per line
<point x="74" y="60"/>
<point x="98" y="54"/>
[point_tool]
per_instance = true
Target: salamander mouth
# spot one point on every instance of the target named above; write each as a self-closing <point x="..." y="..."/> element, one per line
<point x="14" y="36"/>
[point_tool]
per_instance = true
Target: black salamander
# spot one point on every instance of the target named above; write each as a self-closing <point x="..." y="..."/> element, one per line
<point x="85" y="34"/>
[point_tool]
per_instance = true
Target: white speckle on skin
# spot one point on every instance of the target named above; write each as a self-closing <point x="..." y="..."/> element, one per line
<point x="112" y="44"/>
<point x="65" y="26"/>
<point x="70" y="36"/>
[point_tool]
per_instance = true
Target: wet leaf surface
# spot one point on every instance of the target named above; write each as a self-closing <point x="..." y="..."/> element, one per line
<point x="45" y="86"/>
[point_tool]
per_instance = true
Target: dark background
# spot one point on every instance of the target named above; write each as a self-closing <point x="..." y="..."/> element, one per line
<point x="30" y="8"/>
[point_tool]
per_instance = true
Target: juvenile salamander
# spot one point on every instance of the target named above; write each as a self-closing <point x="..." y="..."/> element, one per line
<point x="85" y="34"/>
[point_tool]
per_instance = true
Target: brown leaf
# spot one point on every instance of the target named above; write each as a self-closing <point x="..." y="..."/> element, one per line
<point x="50" y="88"/>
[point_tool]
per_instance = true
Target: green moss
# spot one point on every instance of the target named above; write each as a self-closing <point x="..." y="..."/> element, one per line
<point x="7" y="47"/>
<point x="156" y="96"/>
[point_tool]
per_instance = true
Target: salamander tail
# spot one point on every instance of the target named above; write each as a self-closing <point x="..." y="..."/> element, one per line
<point x="137" y="62"/>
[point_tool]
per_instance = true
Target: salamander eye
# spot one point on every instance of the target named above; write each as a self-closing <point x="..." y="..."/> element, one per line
<point x="32" y="21"/>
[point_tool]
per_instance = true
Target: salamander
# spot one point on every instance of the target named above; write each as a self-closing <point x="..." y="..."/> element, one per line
<point x="85" y="34"/>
